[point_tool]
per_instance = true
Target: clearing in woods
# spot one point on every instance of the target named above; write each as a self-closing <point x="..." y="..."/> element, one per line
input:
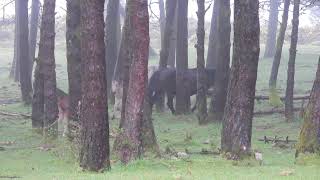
<point x="25" y="155"/>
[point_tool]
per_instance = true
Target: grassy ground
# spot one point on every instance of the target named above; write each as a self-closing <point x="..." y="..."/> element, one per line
<point x="25" y="153"/>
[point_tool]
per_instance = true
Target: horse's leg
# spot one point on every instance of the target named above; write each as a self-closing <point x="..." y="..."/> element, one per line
<point x="170" y="103"/>
<point x="194" y="107"/>
<point x="66" y="122"/>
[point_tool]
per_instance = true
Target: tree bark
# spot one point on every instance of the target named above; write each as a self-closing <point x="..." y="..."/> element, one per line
<point x="111" y="40"/>
<point x="291" y="64"/>
<point x="162" y="17"/>
<point x="34" y="22"/>
<point x="173" y="42"/>
<point x="47" y="65"/>
<point x="309" y="140"/>
<point x="94" y="133"/>
<point x="277" y="56"/>
<point x="130" y="146"/>
<point x="121" y="73"/>
<point x="182" y="96"/>
<point x="272" y="29"/>
<point x="201" y="73"/>
<point x="168" y="31"/>
<point x="149" y="140"/>
<point x="74" y="63"/>
<point x="218" y="100"/>
<point x="14" y="60"/>
<point x="16" y="64"/>
<point x="23" y="51"/>
<point x="37" y="115"/>
<point x="237" y="120"/>
<point x="211" y="61"/>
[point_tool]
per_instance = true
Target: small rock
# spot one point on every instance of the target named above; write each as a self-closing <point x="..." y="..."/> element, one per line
<point x="258" y="157"/>
<point x="182" y="155"/>
<point x="174" y="158"/>
<point x="287" y="172"/>
<point x="206" y="141"/>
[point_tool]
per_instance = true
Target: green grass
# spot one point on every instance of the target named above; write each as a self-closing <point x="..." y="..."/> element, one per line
<point x="25" y="159"/>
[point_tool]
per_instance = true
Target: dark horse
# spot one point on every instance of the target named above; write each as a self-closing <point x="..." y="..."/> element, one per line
<point x="164" y="81"/>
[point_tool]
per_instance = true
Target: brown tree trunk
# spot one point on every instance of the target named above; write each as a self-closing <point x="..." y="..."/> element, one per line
<point x="219" y="98"/>
<point x="94" y="133"/>
<point x="237" y="120"/>
<point x="16" y="64"/>
<point x="173" y="42"/>
<point x="38" y="98"/>
<point x="23" y="51"/>
<point x="162" y="17"/>
<point x="165" y="44"/>
<point x="272" y="29"/>
<point x="121" y="73"/>
<point x="74" y="63"/>
<point x="111" y="41"/>
<point x="34" y="22"/>
<point x="277" y="57"/>
<point x="47" y="65"/>
<point x="168" y="31"/>
<point x="289" y="113"/>
<point x="309" y="140"/>
<point x="201" y="73"/>
<point x="182" y="95"/>
<point x="14" y="60"/>
<point x="148" y="136"/>
<point x="130" y="146"/>
<point x="211" y="61"/>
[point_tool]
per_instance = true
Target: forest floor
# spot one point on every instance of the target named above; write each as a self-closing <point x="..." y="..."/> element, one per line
<point x="24" y="154"/>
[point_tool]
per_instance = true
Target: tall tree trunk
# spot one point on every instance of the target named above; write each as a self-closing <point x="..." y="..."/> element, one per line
<point x="34" y="21"/>
<point x="14" y="60"/>
<point x="38" y="98"/>
<point x="173" y="42"/>
<point x="16" y="64"/>
<point x="120" y="79"/>
<point x="274" y="98"/>
<point x="162" y="17"/>
<point x="201" y="73"/>
<point x="291" y="64"/>
<point x="111" y="41"/>
<point x="168" y="31"/>
<point x="23" y="51"/>
<point x="309" y="140"/>
<point x="182" y="94"/>
<point x="165" y="44"/>
<point x="74" y="63"/>
<point x="125" y="57"/>
<point x="94" y="134"/>
<point x="237" y="120"/>
<point x="47" y="65"/>
<point x="148" y="136"/>
<point x="212" y="47"/>
<point x="272" y="29"/>
<point x="219" y="98"/>
<point x="130" y="146"/>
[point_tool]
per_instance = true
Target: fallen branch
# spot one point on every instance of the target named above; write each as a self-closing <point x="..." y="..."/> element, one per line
<point x="15" y="114"/>
<point x="303" y="97"/>
<point x="273" y="111"/>
<point x="204" y="152"/>
<point x="9" y="177"/>
<point x="276" y="140"/>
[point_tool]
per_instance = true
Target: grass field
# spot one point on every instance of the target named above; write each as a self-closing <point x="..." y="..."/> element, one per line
<point x="24" y="156"/>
